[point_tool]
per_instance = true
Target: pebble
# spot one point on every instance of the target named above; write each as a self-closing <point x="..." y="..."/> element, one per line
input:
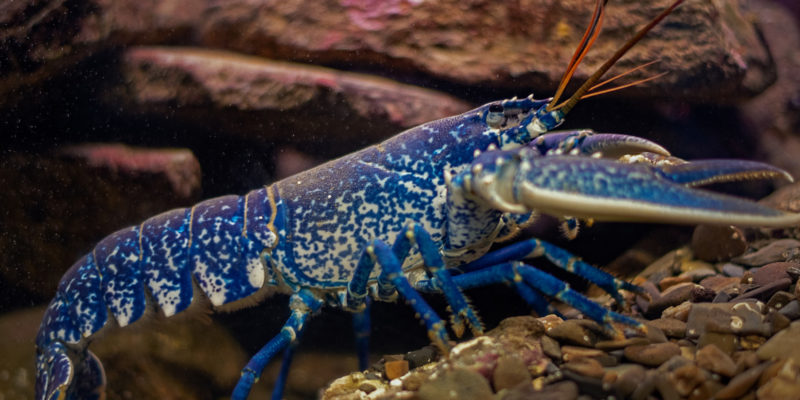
<point x="733" y="270"/>
<point x="784" y="386"/>
<point x="741" y="383"/>
<point x="510" y="372"/>
<point x="563" y="390"/>
<point x="686" y="378"/>
<point x="585" y="366"/>
<point x="624" y="378"/>
<point x="776" y="251"/>
<point x="772" y="272"/>
<point x="726" y="342"/>
<point x="572" y="332"/>
<point x="652" y="354"/>
<point x="785" y="344"/>
<point x="679" y="312"/>
<point x="671" y="297"/>
<point x="396" y="368"/>
<point x="550" y="347"/>
<point x="718" y="243"/>
<point x="780" y="299"/>
<point x="715" y="360"/>
<point x="719" y="283"/>
<point x="764" y="292"/>
<point x="456" y="384"/>
<point x="700" y="294"/>
<point x="791" y="310"/>
<point x="671" y="327"/>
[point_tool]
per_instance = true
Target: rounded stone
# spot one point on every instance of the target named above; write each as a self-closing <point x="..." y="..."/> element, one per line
<point x="718" y="243"/>
<point x="652" y="355"/>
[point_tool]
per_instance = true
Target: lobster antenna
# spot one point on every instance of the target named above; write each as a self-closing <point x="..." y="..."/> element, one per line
<point x="570" y="103"/>
<point x="587" y="40"/>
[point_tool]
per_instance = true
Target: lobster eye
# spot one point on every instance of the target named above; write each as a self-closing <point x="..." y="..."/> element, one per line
<point x="494" y="118"/>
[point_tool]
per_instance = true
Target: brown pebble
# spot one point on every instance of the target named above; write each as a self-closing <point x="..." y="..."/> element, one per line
<point x="510" y="372"/>
<point x="670" y="326"/>
<point x="715" y="360"/>
<point x="741" y="383"/>
<point x="550" y="347"/>
<point x="671" y="297"/>
<point x="396" y="368"/>
<point x="570" y="331"/>
<point x="727" y="342"/>
<point x="780" y="299"/>
<point x="784" y="344"/>
<point x="607" y="345"/>
<point x="686" y="378"/>
<point x="774" y="252"/>
<point x="784" y="386"/>
<point x="777" y="321"/>
<point x="679" y="312"/>
<point x="627" y="378"/>
<point x="652" y="354"/>
<point x="718" y="243"/>
<point x="772" y="272"/>
<point x="456" y="384"/>
<point x="585" y="366"/>
<point x="367" y="387"/>
<point x="672" y="281"/>
<point x="719" y="283"/>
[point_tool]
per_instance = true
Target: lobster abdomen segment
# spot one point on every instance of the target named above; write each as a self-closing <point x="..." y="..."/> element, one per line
<point x="218" y="242"/>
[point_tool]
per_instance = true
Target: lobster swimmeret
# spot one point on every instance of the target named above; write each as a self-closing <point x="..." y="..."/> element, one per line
<point x="417" y="212"/>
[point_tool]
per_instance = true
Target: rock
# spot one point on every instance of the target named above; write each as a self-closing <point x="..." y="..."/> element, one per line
<point x="718" y="243"/>
<point x="741" y="383"/>
<point x="773" y="272"/>
<point x="784" y="345"/>
<point x="564" y="390"/>
<point x="626" y="378"/>
<point x="459" y="383"/>
<point x="764" y="292"/>
<point x="673" y="296"/>
<point x="727" y="342"/>
<point x="785" y="385"/>
<point x="778" y="250"/>
<point x="791" y="310"/>
<point x="572" y="332"/>
<point x="510" y="372"/>
<point x="585" y="366"/>
<point x="396" y="368"/>
<point x="652" y="354"/>
<point x="739" y="318"/>
<point x="733" y="270"/>
<point x="671" y="327"/>
<point x="686" y="378"/>
<point x="65" y="202"/>
<point x="235" y="94"/>
<point x="715" y="360"/>
<point x="780" y="299"/>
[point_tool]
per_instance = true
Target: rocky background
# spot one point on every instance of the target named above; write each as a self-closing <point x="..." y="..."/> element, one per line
<point x="110" y="110"/>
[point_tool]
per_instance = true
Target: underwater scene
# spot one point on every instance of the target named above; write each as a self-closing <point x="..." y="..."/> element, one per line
<point x="399" y="199"/>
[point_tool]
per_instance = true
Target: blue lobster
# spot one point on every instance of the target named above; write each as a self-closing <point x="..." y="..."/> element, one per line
<point x="416" y="213"/>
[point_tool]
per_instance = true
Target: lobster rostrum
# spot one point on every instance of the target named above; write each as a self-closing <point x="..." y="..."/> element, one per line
<point x="415" y="213"/>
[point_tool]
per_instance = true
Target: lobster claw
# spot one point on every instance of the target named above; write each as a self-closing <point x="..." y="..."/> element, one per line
<point x="642" y="188"/>
<point x="601" y="145"/>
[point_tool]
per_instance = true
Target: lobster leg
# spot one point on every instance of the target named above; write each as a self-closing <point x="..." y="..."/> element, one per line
<point x="361" y="327"/>
<point x="302" y="304"/>
<point x="392" y="279"/>
<point x="517" y="272"/>
<point x="532" y="248"/>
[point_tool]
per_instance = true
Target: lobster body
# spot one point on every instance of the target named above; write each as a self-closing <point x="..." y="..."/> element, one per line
<point x="417" y="212"/>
